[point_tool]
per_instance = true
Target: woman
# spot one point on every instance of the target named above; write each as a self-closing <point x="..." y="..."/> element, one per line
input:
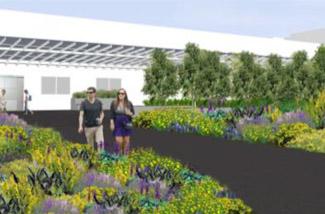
<point x="120" y="121"/>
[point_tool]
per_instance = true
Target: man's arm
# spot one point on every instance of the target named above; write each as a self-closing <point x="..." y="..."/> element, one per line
<point x="81" y="119"/>
<point x="102" y="115"/>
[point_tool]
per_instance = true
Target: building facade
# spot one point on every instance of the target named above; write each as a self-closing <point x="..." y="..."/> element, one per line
<point x="55" y="56"/>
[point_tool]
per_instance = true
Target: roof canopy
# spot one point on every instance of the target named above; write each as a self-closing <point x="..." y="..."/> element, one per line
<point x="68" y="53"/>
<point x="57" y="40"/>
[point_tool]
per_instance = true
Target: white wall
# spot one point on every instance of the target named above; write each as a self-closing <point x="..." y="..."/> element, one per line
<point x="80" y="79"/>
<point x="43" y="26"/>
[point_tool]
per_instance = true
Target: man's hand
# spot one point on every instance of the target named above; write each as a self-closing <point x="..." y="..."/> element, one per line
<point x="80" y="130"/>
<point x="112" y="127"/>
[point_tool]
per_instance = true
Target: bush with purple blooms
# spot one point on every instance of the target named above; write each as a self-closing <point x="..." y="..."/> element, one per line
<point x="294" y="117"/>
<point x="185" y="128"/>
<point x="51" y="205"/>
<point x="14" y="121"/>
<point x="93" y="178"/>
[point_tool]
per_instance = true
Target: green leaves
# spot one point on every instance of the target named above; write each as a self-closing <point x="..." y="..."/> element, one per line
<point x="161" y="77"/>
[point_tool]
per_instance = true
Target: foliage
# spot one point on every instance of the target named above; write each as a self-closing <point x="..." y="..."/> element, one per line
<point x="319" y="66"/>
<point x="189" y="71"/>
<point x="288" y="132"/>
<point x="61" y="163"/>
<point x="273" y="113"/>
<point x="99" y="94"/>
<point x="12" y="120"/>
<point x="70" y="178"/>
<point x="312" y="142"/>
<point x="294" y="117"/>
<point x="44" y="138"/>
<point x="56" y="206"/>
<point x="14" y="133"/>
<point x="188" y="202"/>
<point x="163" y="119"/>
<point x="316" y="108"/>
<point x="160" y="77"/>
<point x="258" y="133"/>
<point x="15" y="188"/>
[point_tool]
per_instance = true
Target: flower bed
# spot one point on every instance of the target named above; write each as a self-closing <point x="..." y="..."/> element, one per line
<point x="264" y="124"/>
<point x="56" y="176"/>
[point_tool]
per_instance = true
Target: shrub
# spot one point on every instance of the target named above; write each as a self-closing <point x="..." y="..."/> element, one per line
<point x="273" y="113"/>
<point x="43" y="138"/>
<point x="258" y="133"/>
<point x="288" y="132"/>
<point x="312" y="142"/>
<point x="243" y="122"/>
<point x="202" y="199"/>
<point x="11" y="149"/>
<point x="17" y="188"/>
<point x="316" y="109"/>
<point x="165" y="119"/>
<point x="99" y="94"/>
<point x="294" y="117"/>
<point x="14" y="133"/>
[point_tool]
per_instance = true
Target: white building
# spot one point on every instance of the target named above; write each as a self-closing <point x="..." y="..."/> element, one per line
<point x="317" y="36"/>
<point x="55" y="56"/>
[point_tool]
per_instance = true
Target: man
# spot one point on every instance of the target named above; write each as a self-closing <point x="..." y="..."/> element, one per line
<point x="3" y="101"/>
<point x="27" y="99"/>
<point x="91" y="116"/>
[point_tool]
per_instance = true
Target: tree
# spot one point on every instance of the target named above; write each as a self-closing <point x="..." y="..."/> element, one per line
<point x="288" y="87"/>
<point x="274" y="70"/>
<point x="319" y="65"/>
<point x="300" y="73"/>
<point x="189" y="72"/>
<point x="243" y="76"/>
<point x="160" y="77"/>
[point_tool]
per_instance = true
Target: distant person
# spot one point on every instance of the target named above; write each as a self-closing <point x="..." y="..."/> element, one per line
<point x="121" y="112"/>
<point x="3" y="102"/>
<point x="27" y="100"/>
<point x="91" y="117"/>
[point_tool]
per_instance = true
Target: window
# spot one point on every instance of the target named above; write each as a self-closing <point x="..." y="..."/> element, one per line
<point x="55" y="85"/>
<point x="115" y="84"/>
<point x="102" y="84"/>
<point x="63" y="85"/>
<point x="108" y="84"/>
<point x="48" y="85"/>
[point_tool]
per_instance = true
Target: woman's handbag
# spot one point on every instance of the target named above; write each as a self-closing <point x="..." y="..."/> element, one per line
<point x="128" y="125"/>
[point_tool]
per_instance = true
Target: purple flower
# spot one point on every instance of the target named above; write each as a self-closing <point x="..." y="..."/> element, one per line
<point x="47" y="205"/>
<point x="294" y="117"/>
<point x="202" y="109"/>
<point x="157" y="190"/>
<point x="90" y="178"/>
<point x="20" y="138"/>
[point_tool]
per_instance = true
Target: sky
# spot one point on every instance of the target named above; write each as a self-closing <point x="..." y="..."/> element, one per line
<point x="265" y="18"/>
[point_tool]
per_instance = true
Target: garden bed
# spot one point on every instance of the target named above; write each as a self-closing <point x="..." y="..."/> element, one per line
<point x="60" y="177"/>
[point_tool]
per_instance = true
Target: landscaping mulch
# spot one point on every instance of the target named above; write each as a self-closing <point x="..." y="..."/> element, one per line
<point x="271" y="180"/>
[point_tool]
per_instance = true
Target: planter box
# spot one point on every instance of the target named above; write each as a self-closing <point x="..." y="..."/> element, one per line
<point x="76" y="102"/>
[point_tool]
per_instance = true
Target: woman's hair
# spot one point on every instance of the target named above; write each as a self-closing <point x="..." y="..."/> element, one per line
<point x="26" y="91"/>
<point x="126" y="100"/>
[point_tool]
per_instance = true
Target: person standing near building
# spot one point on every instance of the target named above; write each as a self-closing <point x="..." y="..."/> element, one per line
<point x="27" y="99"/>
<point x="121" y="113"/>
<point x="91" y="117"/>
<point x="3" y="102"/>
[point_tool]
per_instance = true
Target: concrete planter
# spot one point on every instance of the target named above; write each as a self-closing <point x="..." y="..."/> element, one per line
<point x="76" y="102"/>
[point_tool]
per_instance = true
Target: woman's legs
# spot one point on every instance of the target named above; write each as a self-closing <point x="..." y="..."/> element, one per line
<point x="119" y="143"/>
<point x="126" y="141"/>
